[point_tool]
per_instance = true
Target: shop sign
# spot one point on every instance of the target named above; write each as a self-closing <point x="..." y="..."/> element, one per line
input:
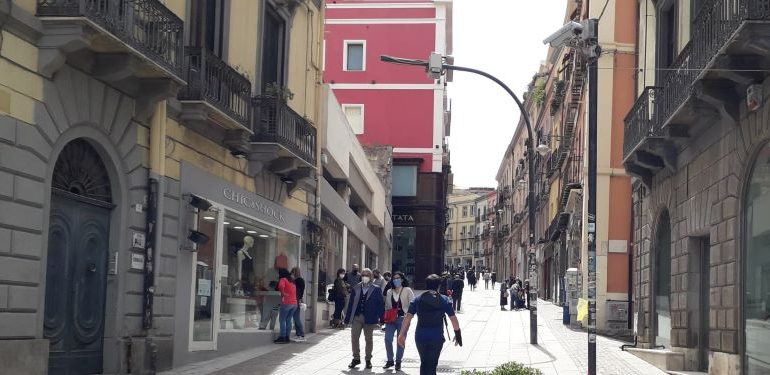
<point x="251" y="203"/>
<point x="403" y="219"/>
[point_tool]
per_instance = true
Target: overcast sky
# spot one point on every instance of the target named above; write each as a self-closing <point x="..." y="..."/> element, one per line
<point x="505" y="39"/>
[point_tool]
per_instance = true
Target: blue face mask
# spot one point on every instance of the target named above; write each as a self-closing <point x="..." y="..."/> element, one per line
<point x="396" y="283"/>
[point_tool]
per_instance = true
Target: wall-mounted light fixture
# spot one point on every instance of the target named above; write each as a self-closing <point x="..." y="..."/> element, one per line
<point x="200" y="203"/>
<point x="198" y="238"/>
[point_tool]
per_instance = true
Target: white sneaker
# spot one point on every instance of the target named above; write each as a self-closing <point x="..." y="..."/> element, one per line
<point x="299" y="339"/>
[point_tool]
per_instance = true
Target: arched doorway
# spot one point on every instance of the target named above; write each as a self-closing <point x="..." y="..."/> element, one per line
<point x="76" y="272"/>
<point x="662" y="280"/>
<point x="756" y="266"/>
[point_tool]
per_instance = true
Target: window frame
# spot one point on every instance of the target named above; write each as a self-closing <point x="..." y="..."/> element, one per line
<point x="363" y="112"/>
<point x="345" y="51"/>
<point x="416" y="170"/>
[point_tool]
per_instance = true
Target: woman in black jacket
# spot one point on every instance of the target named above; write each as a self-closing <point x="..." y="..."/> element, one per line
<point x="339" y="293"/>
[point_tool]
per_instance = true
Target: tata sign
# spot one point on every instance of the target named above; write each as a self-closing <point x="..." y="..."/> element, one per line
<point x="403" y="219"/>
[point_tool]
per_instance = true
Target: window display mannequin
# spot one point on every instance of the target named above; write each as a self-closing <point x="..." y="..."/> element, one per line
<point x="243" y="254"/>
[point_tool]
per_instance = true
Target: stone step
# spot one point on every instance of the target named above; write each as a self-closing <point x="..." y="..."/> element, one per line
<point x="665" y="360"/>
<point x="687" y="373"/>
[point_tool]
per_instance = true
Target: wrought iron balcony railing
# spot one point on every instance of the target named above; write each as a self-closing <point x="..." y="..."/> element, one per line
<point x="275" y="122"/>
<point x="212" y="80"/>
<point x="641" y="122"/>
<point x="145" y="25"/>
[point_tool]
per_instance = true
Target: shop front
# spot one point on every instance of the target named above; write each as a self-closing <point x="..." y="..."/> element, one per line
<point x="236" y="241"/>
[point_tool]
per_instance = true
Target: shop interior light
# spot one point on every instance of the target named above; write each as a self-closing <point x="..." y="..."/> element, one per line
<point x="264" y="236"/>
<point x="226" y="223"/>
<point x="209" y="218"/>
<point x="251" y="231"/>
<point x="238" y="227"/>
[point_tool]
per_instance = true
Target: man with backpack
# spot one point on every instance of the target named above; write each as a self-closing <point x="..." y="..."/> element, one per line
<point x="432" y="309"/>
<point x="457" y="292"/>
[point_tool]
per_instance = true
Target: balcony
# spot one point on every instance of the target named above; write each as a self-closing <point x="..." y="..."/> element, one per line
<point x="572" y="179"/>
<point x="115" y="40"/>
<point x="283" y="140"/>
<point x="703" y="86"/>
<point x="215" y="92"/>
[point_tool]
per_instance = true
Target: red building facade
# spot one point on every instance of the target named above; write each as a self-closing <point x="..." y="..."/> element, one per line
<point x="399" y="106"/>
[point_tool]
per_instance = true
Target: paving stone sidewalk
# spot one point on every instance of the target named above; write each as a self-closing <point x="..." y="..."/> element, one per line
<point x="491" y="337"/>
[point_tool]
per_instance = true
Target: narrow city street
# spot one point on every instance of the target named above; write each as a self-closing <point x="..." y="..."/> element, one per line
<point x="491" y="337"/>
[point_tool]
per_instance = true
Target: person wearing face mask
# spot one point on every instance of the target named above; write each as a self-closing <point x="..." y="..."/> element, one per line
<point x="397" y="299"/>
<point x="339" y="293"/>
<point x="365" y="308"/>
<point x="353" y="277"/>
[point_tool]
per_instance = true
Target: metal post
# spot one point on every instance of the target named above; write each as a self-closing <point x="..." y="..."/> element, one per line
<point x="592" y="130"/>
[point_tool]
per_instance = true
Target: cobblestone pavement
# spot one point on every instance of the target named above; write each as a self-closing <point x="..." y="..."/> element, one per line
<point x="490" y="336"/>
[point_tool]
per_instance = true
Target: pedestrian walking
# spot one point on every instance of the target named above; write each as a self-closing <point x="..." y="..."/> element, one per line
<point x="288" y="305"/>
<point x="457" y="292"/>
<point x="364" y="310"/>
<point x="378" y="280"/>
<point x="513" y="291"/>
<point x="339" y="293"/>
<point x="486" y="277"/>
<point x="388" y="284"/>
<point x="299" y="326"/>
<point x="397" y="303"/>
<point x="503" y="296"/>
<point x="446" y="284"/>
<point x="431" y="309"/>
<point x="352" y="278"/>
<point x="494" y="280"/>
<point x="472" y="280"/>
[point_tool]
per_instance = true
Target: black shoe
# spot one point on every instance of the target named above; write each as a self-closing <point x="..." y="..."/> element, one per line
<point x="398" y="366"/>
<point x="354" y="363"/>
<point x="282" y="340"/>
<point x="368" y="364"/>
<point x="388" y="365"/>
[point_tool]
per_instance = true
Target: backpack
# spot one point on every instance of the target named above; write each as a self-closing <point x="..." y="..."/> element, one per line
<point x="429" y="301"/>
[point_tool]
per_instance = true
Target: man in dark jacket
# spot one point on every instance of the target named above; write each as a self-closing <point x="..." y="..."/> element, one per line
<point x="353" y="277"/>
<point x="365" y="308"/>
<point x="457" y="292"/>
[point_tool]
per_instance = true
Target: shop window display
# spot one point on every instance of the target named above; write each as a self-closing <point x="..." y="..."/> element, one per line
<point x="252" y="253"/>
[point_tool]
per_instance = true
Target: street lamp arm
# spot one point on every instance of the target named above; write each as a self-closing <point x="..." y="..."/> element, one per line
<point x="530" y="151"/>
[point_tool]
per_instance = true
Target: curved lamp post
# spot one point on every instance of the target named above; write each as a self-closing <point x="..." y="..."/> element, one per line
<point x="436" y="66"/>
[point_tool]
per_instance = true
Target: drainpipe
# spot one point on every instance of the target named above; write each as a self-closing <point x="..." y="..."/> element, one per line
<point x="155" y="189"/>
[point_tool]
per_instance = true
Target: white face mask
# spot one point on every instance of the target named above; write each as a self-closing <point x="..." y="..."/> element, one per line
<point x="365" y="279"/>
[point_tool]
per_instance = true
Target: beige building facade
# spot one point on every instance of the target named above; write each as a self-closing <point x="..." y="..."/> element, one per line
<point x="178" y="139"/>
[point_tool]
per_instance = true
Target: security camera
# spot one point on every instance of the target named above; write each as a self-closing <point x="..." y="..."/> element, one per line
<point x="562" y="37"/>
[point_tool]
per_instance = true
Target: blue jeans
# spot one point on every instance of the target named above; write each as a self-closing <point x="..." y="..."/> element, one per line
<point x="285" y="315"/>
<point x="298" y="326"/>
<point x="429" y="353"/>
<point x="393" y="329"/>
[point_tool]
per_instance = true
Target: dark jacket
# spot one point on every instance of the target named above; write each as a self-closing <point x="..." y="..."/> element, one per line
<point x="300" y="283"/>
<point x="352" y="278"/>
<point x="339" y="291"/>
<point x="374" y="305"/>
<point x="457" y="287"/>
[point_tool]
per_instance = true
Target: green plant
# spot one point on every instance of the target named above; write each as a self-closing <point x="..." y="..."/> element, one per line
<point x="510" y="368"/>
<point x="538" y="93"/>
<point x="280" y="92"/>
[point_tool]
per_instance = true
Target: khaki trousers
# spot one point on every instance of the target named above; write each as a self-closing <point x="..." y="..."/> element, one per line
<point x="357" y="325"/>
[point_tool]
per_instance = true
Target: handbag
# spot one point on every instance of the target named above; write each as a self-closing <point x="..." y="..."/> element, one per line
<point x="391" y="314"/>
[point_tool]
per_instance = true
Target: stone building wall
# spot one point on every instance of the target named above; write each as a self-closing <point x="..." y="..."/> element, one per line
<point x="703" y="197"/>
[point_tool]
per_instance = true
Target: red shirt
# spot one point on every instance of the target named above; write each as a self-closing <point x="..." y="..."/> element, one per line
<point x="288" y="292"/>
